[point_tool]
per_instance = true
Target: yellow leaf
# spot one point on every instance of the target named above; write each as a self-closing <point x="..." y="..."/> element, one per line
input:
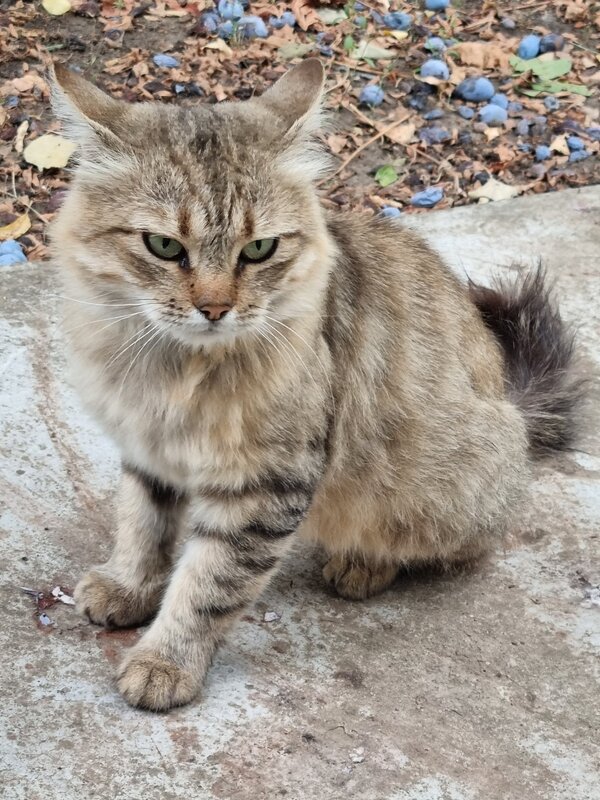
<point x="16" y="228"/>
<point x="56" y="7"/>
<point x="219" y="44"/>
<point x="399" y="35"/>
<point x="559" y="145"/>
<point x="49" y="151"/>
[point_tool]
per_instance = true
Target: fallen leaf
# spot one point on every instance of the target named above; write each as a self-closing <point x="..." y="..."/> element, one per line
<point x="495" y="190"/>
<point x="220" y="45"/>
<point x="402" y="134"/>
<point x="336" y="143"/>
<point x="294" y="50"/>
<point x="331" y="16"/>
<point x="386" y="175"/>
<point x="305" y="14"/>
<point x="20" y="135"/>
<point x="16" y="228"/>
<point x="544" y="68"/>
<point x="555" y="87"/>
<point x="485" y="55"/>
<point x="559" y="145"/>
<point x="370" y="50"/>
<point x="56" y="7"/>
<point x="49" y="151"/>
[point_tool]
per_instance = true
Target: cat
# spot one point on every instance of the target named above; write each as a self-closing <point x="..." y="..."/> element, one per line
<point x="270" y="371"/>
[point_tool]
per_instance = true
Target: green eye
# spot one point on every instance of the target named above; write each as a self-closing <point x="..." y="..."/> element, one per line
<point x="259" y="250"/>
<point x="163" y="247"/>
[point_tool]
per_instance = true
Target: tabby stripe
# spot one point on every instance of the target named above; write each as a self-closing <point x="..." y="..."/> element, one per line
<point x="161" y="494"/>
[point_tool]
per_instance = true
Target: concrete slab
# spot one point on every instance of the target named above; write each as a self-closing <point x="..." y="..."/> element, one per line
<point x="478" y="687"/>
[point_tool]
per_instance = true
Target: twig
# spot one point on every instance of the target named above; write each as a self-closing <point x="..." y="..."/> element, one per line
<point x="358" y="69"/>
<point x="359" y="150"/>
<point x="430" y="157"/>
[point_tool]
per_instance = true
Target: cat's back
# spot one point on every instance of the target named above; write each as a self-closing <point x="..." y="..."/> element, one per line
<point x="393" y="300"/>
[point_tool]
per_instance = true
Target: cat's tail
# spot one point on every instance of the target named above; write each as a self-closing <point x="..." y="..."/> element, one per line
<point x="539" y="350"/>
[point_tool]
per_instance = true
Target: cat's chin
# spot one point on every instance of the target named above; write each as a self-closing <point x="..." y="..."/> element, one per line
<point x="205" y="339"/>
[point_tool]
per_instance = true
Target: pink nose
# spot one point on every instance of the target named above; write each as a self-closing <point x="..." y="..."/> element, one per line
<point x="214" y="313"/>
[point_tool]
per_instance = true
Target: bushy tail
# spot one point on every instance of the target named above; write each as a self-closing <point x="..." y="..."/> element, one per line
<point x="539" y="351"/>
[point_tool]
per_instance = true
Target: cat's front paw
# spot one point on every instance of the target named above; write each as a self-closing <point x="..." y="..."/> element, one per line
<point x="105" y="601"/>
<point x="148" y="680"/>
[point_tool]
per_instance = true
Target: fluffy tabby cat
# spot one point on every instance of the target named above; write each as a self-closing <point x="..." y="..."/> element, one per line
<point x="269" y="371"/>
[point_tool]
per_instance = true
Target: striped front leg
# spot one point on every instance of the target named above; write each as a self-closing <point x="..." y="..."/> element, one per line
<point x="238" y="541"/>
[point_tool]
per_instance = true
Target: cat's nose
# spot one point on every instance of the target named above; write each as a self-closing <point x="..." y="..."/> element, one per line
<point x="213" y="313"/>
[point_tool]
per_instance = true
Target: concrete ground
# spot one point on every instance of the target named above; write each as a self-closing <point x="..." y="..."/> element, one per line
<point x="477" y="687"/>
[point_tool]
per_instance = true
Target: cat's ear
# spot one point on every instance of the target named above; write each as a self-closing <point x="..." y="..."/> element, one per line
<point x="86" y="112"/>
<point x="296" y="97"/>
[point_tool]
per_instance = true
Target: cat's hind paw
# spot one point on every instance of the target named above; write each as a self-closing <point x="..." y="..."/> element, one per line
<point x="356" y="578"/>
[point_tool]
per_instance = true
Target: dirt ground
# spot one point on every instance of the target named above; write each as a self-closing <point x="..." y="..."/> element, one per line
<point x="113" y="42"/>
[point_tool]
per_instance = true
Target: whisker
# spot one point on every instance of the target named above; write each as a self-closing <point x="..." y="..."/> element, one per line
<point x="325" y="373"/>
<point x="111" y="321"/>
<point x="129" y="343"/>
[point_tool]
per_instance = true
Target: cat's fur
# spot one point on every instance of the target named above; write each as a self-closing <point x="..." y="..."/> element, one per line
<point x="355" y="395"/>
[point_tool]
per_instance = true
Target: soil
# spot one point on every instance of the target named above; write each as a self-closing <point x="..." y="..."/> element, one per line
<point x="115" y="51"/>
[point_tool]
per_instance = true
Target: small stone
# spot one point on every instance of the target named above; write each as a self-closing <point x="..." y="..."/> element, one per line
<point x="435" y="113"/>
<point x="390" y="211"/>
<point x="515" y="108"/>
<point x="428" y="197"/>
<point x="522" y="127"/>
<point x="508" y="24"/>
<point x="271" y="616"/>
<point x="165" y="61"/>
<point x="551" y="103"/>
<point x="466" y="112"/>
<point x="436" y="5"/>
<point x="434" y="135"/>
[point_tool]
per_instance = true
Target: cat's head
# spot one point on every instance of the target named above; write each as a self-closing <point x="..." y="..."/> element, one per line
<point x="205" y="215"/>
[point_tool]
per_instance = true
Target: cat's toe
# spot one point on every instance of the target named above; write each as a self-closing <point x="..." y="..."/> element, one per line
<point x="358" y="578"/>
<point x="148" y="680"/>
<point x="104" y="601"/>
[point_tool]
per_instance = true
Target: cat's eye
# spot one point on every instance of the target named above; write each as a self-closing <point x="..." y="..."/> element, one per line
<point x="164" y="247"/>
<point x="259" y="250"/>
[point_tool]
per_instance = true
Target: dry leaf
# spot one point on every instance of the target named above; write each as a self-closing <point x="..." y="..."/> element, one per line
<point x="402" y="134"/>
<point x="20" y="135"/>
<point x="559" y="145"/>
<point x="220" y="45"/>
<point x="492" y="133"/>
<point x="336" y="143"/>
<point x="305" y="14"/>
<point x="49" y="151"/>
<point x="496" y="190"/>
<point x="16" y="228"/>
<point x="56" y="7"/>
<point x="485" y="55"/>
